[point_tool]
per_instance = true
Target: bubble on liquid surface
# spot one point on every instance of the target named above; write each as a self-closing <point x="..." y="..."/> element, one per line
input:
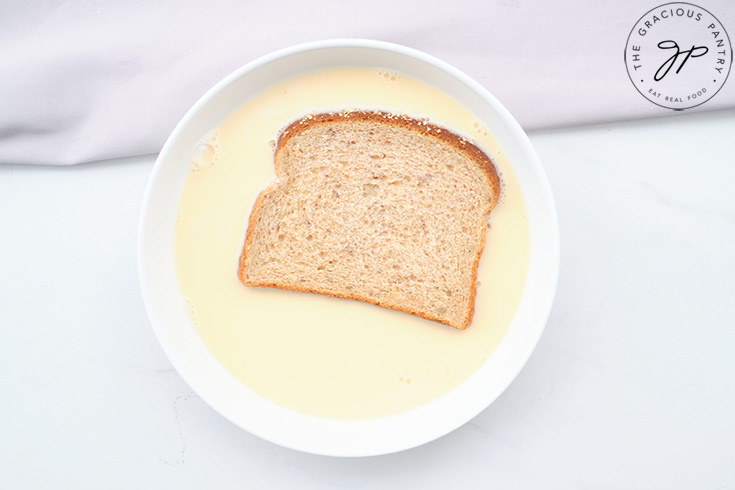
<point x="389" y="76"/>
<point x="191" y="313"/>
<point x="480" y="128"/>
<point x="503" y="192"/>
<point x="205" y="153"/>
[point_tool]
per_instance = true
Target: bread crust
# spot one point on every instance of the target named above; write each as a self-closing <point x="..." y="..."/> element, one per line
<point x="423" y="127"/>
<point x="401" y="120"/>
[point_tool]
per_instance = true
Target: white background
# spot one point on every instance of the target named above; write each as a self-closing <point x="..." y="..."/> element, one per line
<point x="631" y="386"/>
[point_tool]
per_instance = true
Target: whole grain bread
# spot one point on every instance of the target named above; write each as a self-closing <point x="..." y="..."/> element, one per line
<point x="374" y="207"/>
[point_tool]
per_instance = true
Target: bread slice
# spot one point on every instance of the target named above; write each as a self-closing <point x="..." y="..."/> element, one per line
<point x="374" y="207"/>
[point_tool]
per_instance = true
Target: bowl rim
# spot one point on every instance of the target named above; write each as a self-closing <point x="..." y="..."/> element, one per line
<point x="332" y="438"/>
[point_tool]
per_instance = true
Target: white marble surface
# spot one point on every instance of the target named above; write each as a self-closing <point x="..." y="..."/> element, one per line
<point x="631" y="386"/>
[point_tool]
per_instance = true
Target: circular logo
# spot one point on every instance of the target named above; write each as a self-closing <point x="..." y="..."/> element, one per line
<point x="678" y="55"/>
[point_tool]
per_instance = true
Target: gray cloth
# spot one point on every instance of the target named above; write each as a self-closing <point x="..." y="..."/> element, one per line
<point x="85" y="81"/>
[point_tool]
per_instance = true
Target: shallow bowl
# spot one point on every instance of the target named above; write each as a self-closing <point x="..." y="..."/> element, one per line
<point x="216" y="386"/>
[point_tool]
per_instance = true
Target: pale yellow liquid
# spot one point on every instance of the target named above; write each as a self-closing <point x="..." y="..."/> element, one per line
<point x="325" y="356"/>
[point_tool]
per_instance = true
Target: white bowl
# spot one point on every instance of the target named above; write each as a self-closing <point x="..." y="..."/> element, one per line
<point x="282" y="426"/>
